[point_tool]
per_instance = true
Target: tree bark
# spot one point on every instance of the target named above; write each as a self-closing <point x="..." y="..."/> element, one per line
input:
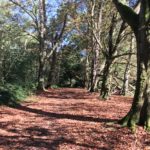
<point x="87" y="73"/>
<point x="105" y="88"/>
<point x="140" y="110"/>
<point x="125" y="87"/>
<point x="52" y="75"/>
<point x="95" y="31"/>
<point x="42" y="49"/>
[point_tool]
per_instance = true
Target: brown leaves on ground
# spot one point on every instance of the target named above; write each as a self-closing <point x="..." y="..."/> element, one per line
<point x="69" y="119"/>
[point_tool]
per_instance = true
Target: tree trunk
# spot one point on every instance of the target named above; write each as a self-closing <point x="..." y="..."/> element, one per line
<point x="140" y="110"/>
<point x="95" y="69"/>
<point x="105" y="88"/>
<point x="87" y="73"/>
<point x="95" y="28"/>
<point x="110" y="57"/>
<point x="91" y="87"/>
<point x="125" y="86"/>
<point x="41" y="74"/>
<point x="42" y="49"/>
<point x="52" y="75"/>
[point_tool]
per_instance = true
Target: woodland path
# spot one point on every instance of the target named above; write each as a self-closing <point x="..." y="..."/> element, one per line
<point x="69" y="119"/>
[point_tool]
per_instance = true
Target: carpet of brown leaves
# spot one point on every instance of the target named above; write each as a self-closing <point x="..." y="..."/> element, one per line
<point x="69" y="119"/>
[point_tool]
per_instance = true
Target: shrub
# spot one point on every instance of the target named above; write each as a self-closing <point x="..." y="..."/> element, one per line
<point x="12" y="94"/>
<point x="54" y="86"/>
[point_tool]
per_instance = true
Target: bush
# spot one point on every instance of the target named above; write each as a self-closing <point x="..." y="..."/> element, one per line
<point x="54" y="86"/>
<point x="12" y="94"/>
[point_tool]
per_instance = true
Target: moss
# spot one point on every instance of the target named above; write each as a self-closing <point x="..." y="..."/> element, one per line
<point x="147" y="124"/>
<point x="133" y="121"/>
<point x="124" y="121"/>
<point x="133" y="129"/>
<point x="104" y="95"/>
<point x="147" y="13"/>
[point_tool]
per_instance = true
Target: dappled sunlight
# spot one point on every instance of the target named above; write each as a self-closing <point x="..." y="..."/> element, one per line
<point x="73" y="123"/>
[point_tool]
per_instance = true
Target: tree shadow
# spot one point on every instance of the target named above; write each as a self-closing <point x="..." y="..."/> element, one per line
<point x="64" y="116"/>
<point x="58" y="141"/>
<point x="37" y="131"/>
<point x="26" y="142"/>
<point x="65" y="94"/>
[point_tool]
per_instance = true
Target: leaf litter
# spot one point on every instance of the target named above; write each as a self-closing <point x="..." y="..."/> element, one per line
<point x="69" y="119"/>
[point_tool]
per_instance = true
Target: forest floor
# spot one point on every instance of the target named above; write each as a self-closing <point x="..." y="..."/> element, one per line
<point x="69" y="119"/>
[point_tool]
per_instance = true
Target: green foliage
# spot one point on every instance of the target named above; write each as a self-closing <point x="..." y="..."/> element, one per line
<point x="12" y="94"/>
<point x="54" y="86"/>
<point x="72" y="71"/>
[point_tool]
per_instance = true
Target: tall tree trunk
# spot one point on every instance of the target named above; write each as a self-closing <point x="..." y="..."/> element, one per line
<point x="91" y="87"/>
<point x="42" y="49"/>
<point x="95" y="28"/>
<point x="110" y="55"/>
<point x="105" y="88"/>
<point x="87" y="73"/>
<point x="140" y="110"/>
<point x="94" y="69"/>
<point x="52" y="75"/>
<point x="125" y="87"/>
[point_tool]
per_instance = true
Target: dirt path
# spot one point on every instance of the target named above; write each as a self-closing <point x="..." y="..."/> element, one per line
<point x="69" y="119"/>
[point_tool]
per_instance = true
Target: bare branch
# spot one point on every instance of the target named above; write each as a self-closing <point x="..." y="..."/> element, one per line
<point x="124" y="54"/>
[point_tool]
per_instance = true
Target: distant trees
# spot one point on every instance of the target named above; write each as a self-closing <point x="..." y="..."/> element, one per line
<point x="17" y="61"/>
<point x="105" y="47"/>
<point x="50" y="34"/>
<point x="47" y="33"/>
<point x="86" y="28"/>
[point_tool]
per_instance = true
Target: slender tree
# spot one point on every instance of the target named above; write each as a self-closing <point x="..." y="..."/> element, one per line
<point x="42" y="48"/>
<point x="110" y="55"/>
<point x="125" y="87"/>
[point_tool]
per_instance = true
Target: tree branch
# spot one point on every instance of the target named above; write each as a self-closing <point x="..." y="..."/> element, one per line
<point x="25" y="10"/>
<point x="122" y="28"/>
<point x="124" y="54"/>
<point x="63" y="28"/>
<point x="128" y="15"/>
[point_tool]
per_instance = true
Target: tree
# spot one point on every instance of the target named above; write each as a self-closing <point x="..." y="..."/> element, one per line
<point x="95" y="24"/>
<point x="39" y="28"/>
<point x="125" y="87"/>
<point x="140" y="24"/>
<point x="42" y="48"/>
<point x="72" y="66"/>
<point x="110" y="55"/>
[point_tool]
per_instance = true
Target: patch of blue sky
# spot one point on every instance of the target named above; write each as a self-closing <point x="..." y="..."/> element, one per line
<point x="82" y="8"/>
<point x="83" y="53"/>
<point x="52" y="7"/>
<point x="132" y="3"/>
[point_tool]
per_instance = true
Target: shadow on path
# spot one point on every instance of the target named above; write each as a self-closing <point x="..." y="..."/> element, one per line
<point x="64" y="116"/>
<point x="68" y="93"/>
<point x="58" y="141"/>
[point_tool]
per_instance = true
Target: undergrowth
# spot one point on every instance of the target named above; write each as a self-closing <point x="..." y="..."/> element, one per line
<point x="13" y="94"/>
